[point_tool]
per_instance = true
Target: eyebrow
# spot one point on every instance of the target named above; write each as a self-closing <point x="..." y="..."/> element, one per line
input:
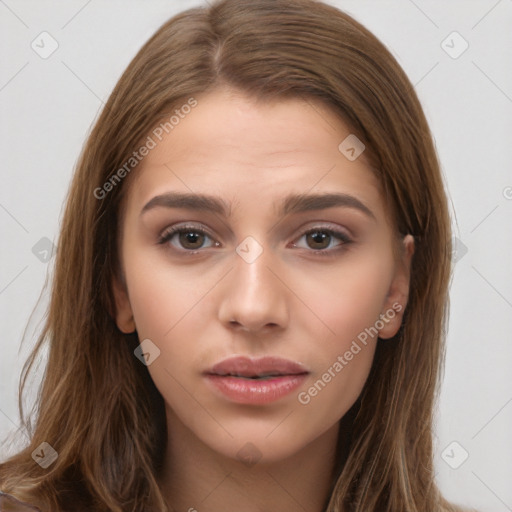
<point x="293" y="203"/>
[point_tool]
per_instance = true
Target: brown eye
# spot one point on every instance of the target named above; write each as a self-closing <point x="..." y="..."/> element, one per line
<point x="189" y="238"/>
<point x="318" y="239"/>
<point x="322" y="240"/>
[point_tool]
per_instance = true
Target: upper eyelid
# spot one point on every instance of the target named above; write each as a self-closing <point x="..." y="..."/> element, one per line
<point x="177" y="228"/>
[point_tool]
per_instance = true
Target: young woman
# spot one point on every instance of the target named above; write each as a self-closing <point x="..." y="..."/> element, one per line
<point x="251" y="286"/>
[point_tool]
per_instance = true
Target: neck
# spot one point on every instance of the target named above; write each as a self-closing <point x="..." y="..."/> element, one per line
<point x="197" y="478"/>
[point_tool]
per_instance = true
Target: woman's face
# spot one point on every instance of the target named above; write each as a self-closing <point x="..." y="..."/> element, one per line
<point x="262" y="267"/>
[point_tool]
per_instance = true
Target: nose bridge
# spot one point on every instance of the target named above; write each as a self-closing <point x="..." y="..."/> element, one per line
<point x="254" y="297"/>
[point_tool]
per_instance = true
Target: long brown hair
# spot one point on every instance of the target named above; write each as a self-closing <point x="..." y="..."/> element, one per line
<point x="93" y="405"/>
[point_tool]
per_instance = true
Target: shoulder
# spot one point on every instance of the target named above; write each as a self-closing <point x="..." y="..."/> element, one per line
<point x="8" y="503"/>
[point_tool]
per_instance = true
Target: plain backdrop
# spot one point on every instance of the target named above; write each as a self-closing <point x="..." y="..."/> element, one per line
<point x="47" y="107"/>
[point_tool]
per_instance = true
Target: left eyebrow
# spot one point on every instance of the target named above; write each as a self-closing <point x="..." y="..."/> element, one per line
<point x="296" y="203"/>
<point x="293" y="203"/>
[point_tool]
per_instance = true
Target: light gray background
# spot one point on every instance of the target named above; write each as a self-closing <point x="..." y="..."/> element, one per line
<point x="47" y="107"/>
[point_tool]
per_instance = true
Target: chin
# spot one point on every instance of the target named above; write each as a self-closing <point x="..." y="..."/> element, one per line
<point x="261" y="443"/>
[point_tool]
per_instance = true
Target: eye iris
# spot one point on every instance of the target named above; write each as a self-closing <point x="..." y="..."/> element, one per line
<point x="319" y="237"/>
<point x="191" y="237"/>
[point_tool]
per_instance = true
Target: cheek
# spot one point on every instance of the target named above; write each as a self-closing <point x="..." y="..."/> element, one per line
<point x="345" y="299"/>
<point x="163" y="297"/>
<point x="348" y="301"/>
<point x="170" y="309"/>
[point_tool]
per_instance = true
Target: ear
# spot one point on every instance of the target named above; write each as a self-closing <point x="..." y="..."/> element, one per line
<point x="123" y="314"/>
<point x="398" y="294"/>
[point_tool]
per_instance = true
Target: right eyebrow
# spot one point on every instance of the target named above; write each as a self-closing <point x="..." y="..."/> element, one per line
<point x="200" y="202"/>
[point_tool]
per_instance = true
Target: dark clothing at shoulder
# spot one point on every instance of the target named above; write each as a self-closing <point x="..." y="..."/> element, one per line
<point x="9" y="503"/>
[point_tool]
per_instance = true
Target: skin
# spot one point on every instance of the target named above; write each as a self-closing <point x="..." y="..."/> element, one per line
<point x="290" y="302"/>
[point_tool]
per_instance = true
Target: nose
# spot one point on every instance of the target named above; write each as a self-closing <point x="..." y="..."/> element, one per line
<point x="254" y="296"/>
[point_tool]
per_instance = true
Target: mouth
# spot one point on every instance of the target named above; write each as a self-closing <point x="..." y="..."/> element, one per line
<point x="256" y="377"/>
<point x="255" y="381"/>
<point x="263" y="368"/>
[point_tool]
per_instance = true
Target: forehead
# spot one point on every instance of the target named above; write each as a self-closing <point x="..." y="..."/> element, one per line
<point x="241" y="149"/>
<point x="267" y="129"/>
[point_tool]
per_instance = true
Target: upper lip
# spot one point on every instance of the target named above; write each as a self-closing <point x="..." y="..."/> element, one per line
<point x="246" y="367"/>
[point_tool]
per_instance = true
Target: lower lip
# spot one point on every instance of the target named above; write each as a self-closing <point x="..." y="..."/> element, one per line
<point x="253" y="391"/>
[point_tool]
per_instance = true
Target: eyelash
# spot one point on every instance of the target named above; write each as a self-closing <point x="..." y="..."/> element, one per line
<point x="168" y="234"/>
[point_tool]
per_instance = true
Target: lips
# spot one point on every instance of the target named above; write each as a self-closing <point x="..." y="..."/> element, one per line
<point x="257" y="369"/>
<point x="255" y="382"/>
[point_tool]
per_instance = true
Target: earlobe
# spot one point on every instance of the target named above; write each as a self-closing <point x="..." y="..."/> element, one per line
<point x="398" y="294"/>
<point x="123" y="314"/>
